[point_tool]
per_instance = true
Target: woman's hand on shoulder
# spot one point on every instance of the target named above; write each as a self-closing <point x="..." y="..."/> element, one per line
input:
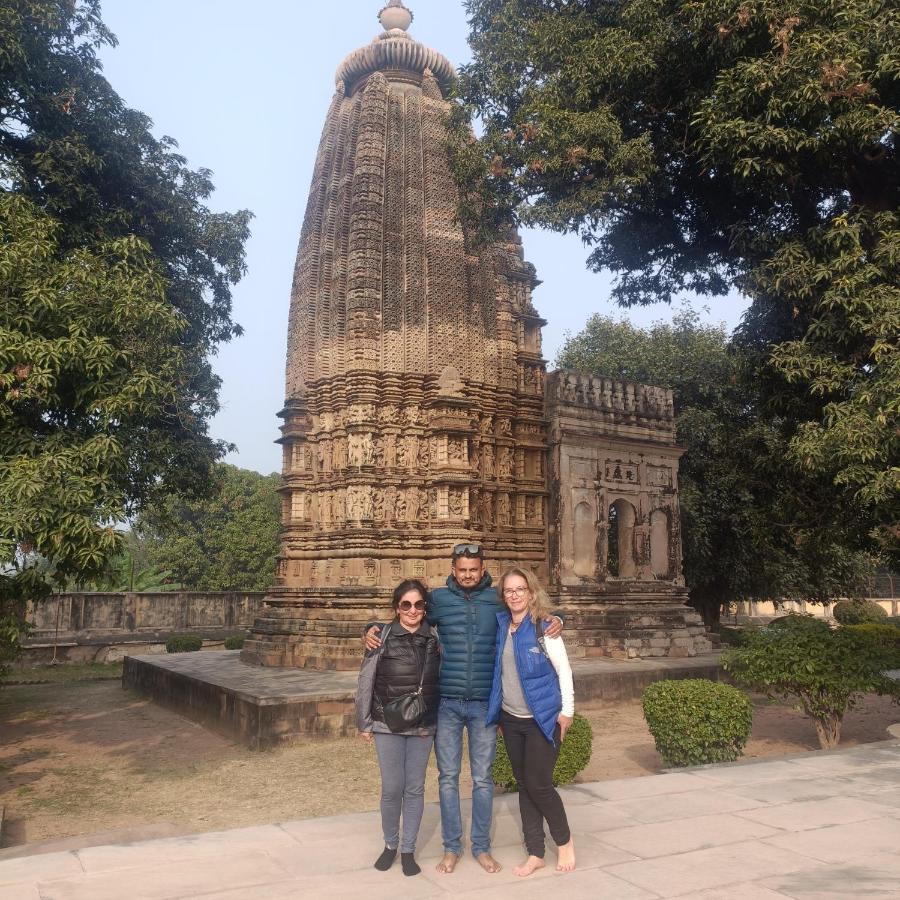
<point x="564" y="723"/>
<point x="367" y="736"/>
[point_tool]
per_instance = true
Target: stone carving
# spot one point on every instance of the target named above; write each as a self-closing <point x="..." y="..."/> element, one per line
<point x="487" y="466"/>
<point x="503" y="509"/>
<point x="402" y="453"/>
<point x="504" y="465"/>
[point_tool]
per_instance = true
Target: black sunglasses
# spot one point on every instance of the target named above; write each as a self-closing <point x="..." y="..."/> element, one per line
<point x="407" y="605"/>
<point x="467" y="550"/>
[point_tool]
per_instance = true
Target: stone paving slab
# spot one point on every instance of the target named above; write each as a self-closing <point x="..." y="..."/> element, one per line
<point x="765" y="838"/>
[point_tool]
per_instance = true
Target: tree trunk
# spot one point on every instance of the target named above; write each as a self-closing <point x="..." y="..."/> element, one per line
<point x="709" y="604"/>
<point x="828" y="729"/>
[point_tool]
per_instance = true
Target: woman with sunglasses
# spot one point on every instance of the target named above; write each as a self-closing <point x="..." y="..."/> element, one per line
<point x="407" y="661"/>
<point x="533" y="699"/>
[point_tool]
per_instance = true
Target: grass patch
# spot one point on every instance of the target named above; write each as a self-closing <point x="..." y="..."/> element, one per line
<point x="64" y="673"/>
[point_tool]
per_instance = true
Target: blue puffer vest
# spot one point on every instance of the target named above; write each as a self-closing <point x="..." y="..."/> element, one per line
<point x="540" y="683"/>
<point x="467" y="627"/>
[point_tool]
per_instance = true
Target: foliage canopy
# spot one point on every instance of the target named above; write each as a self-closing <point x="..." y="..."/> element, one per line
<point x="115" y="286"/>
<point x="227" y="541"/>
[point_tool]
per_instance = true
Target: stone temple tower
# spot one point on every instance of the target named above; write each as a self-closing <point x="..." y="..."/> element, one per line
<point x="414" y="416"/>
<point x="419" y="413"/>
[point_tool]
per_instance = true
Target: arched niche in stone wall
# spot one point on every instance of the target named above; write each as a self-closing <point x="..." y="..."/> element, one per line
<point x="585" y="542"/>
<point x="620" y="556"/>
<point x="659" y="543"/>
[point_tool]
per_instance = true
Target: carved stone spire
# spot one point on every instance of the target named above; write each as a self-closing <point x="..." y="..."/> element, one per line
<point x="408" y="410"/>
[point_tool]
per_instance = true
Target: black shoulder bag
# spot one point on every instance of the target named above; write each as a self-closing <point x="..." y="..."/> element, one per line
<point x="406" y="711"/>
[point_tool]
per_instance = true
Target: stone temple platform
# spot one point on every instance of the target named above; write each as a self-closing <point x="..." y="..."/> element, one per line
<point x="264" y="707"/>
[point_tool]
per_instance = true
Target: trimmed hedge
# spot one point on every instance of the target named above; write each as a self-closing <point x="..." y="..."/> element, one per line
<point x="574" y="755"/>
<point x="235" y="642"/>
<point x="695" y="721"/>
<point x="858" y="612"/>
<point x="886" y="637"/>
<point x="184" y="643"/>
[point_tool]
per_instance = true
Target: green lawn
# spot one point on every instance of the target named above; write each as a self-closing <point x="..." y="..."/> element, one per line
<point x="64" y="673"/>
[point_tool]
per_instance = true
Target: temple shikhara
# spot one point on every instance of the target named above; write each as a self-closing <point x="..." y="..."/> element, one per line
<point x="419" y="412"/>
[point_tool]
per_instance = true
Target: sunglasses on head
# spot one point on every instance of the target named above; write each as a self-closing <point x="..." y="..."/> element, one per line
<point x="467" y="550"/>
<point x="407" y="605"/>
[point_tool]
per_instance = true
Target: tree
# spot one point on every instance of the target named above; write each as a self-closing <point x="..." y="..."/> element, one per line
<point x="226" y="542"/>
<point x="115" y="286"/>
<point x="827" y="671"/>
<point x="719" y="144"/>
<point x="752" y="527"/>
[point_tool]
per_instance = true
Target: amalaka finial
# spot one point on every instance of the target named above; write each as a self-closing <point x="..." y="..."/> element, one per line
<point x="395" y="16"/>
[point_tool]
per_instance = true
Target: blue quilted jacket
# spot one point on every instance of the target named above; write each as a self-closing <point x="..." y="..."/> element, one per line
<point x="540" y="683"/>
<point x="467" y="627"/>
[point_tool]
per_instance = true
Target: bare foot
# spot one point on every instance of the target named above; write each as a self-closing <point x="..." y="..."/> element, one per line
<point x="488" y="863"/>
<point x="566" y="861"/>
<point x="532" y="864"/>
<point x="448" y="863"/>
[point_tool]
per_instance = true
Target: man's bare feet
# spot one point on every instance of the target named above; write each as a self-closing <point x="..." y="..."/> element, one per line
<point x="448" y="863"/>
<point x="488" y="863"/>
<point x="532" y="864"/>
<point x="566" y="861"/>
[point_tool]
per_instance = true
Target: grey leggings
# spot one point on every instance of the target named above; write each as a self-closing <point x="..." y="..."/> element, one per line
<point x="403" y="760"/>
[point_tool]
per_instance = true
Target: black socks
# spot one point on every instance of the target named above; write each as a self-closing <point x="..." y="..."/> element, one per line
<point x="386" y="860"/>
<point x="410" y="866"/>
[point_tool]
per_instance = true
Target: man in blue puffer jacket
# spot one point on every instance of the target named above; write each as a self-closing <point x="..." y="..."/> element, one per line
<point x="465" y="613"/>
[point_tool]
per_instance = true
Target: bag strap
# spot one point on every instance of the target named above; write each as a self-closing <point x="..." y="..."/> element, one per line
<point x="542" y="641"/>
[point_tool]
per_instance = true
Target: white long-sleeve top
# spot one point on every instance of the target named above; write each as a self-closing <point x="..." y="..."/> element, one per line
<point x="556" y="653"/>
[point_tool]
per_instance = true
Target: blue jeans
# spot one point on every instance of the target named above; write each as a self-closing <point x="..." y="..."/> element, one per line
<point x="453" y="716"/>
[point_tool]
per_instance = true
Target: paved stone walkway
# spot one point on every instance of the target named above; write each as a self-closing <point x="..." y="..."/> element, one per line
<point x="816" y="825"/>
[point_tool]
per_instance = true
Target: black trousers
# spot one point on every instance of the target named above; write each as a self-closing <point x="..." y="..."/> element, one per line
<point x="533" y="757"/>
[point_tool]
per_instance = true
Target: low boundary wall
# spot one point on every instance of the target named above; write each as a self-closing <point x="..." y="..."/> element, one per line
<point x="105" y="627"/>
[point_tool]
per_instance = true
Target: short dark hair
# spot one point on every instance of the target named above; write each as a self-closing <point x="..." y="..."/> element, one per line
<point x="469" y="551"/>
<point x="410" y="584"/>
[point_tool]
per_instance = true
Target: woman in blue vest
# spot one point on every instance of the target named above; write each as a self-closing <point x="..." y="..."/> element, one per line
<point x="533" y="699"/>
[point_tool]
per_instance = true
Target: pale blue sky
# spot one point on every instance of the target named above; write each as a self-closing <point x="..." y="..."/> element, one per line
<point x="243" y="87"/>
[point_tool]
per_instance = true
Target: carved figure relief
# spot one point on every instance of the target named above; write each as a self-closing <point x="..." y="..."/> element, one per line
<point x="503" y="511"/>
<point x="456" y="451"/>
<point x="487" y="509"/>
<point x="368" y="450"/>
<point x="487" y="468"/>
<point x="402" y="456"/>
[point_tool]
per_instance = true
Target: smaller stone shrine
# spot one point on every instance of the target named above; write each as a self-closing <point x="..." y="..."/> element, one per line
<point x="614" y="535"/>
